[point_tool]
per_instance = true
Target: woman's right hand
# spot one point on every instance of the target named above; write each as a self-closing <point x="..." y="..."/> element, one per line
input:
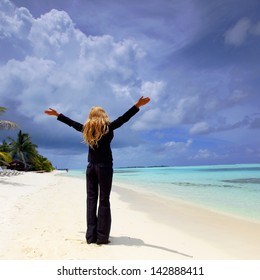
<point x="51" y="112"/>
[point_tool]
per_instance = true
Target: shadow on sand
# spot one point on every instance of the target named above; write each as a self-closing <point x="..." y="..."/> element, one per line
<point x="129" y="241"/>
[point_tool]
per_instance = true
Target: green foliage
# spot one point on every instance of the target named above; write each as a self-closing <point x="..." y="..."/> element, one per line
<point x="23" y="150"/>
<point x="5" y="157"/>
<point x="42" y="163"/>
<point x="5" y="147"/>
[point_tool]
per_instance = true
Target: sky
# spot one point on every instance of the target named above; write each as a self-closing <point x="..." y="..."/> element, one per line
<point x="198" y="61"/>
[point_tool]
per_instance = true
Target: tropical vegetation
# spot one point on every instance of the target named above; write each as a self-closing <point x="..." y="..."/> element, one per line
<point x="21" y="152"/>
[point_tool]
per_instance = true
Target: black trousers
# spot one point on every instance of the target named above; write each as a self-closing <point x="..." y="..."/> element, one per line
<point x="99" y="184"/>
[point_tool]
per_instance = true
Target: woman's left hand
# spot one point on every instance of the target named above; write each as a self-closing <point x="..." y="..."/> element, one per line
<point x="142" y="101"/>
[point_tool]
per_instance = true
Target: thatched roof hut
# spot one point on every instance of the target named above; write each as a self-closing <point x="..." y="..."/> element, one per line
<point x="17" y="165"/>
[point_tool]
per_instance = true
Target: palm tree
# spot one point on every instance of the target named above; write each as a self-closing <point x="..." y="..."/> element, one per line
<point x="6" y="124"/>
<point x="13" y="152"/>
<point x="23" y="149"/>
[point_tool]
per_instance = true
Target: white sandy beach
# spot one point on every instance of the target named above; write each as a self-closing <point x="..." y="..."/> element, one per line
<point x="42" y="216"/>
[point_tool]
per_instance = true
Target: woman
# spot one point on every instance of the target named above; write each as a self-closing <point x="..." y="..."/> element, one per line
<point x="98" y="134"/>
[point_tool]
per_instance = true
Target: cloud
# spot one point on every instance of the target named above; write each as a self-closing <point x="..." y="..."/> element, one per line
<point x="54" y="36"/>
<point x="68" y="70"/>
<point x="15" y="22"/>
<point x="192" y="108"/>
<point x="168" y="115"/>
<point x="63" y="61"/>
<point x="71" y="60"/>
<point x="61" y="67"/>
<point x="152" y="89"/>
<point x="205" y="154"/>
<point x="159" y="28"/>
<point x="178" y="147"/>
<point x="153" y="154"/>
<point x="200" y="128"/>
<point x="250" y="122"/>
<point x="239" y="33"/>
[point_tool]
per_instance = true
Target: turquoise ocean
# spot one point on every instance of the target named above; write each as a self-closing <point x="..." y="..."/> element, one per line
<point x="231" y="189"/>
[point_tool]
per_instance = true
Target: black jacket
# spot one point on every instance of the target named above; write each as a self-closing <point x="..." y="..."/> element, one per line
<point x="102" y="152"/>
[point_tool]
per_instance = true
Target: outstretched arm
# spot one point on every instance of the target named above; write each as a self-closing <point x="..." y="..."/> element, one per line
<point x="142" y="101"/>
<point x="130" y="113"/>
<point x="64" y="119"/>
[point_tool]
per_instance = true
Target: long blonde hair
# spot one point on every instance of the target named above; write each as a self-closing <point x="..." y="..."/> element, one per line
<point x="95" y="126"/>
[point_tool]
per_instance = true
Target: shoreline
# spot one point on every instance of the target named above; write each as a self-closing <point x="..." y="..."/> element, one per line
<point x="220" y="229"/>
<point x="172" y="199"/>
<point x="47" y="221"/>
<point x="239" y="208"/>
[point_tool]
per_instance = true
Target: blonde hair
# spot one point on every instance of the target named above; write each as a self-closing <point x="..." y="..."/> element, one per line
<point x="95" y="126"/>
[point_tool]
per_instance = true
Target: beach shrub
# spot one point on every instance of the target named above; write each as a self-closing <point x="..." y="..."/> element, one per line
<point x="42" y="163"/>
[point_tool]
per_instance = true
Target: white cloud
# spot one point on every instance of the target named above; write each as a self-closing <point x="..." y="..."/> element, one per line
<point x="199" y="128"/>
<point x="54" y="36"/>
<point x="154" y="118"/>
<point x="62" y="62"/>
<point x="178" y="147"/>
<point x="66" y="69"/>
<point x="172" y="112"/>
<point x="48" y="62"/>
<point x="15" y="22"/>
<point x="152" y="154"/>
<point x="239" y="33"/>
<point x="152" y="89"/>
<point x="205" y="154"/>
<point x="187" y="108"/>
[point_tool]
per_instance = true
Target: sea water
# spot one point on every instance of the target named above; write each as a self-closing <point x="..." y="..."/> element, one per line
<point x="232" y="189"/>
